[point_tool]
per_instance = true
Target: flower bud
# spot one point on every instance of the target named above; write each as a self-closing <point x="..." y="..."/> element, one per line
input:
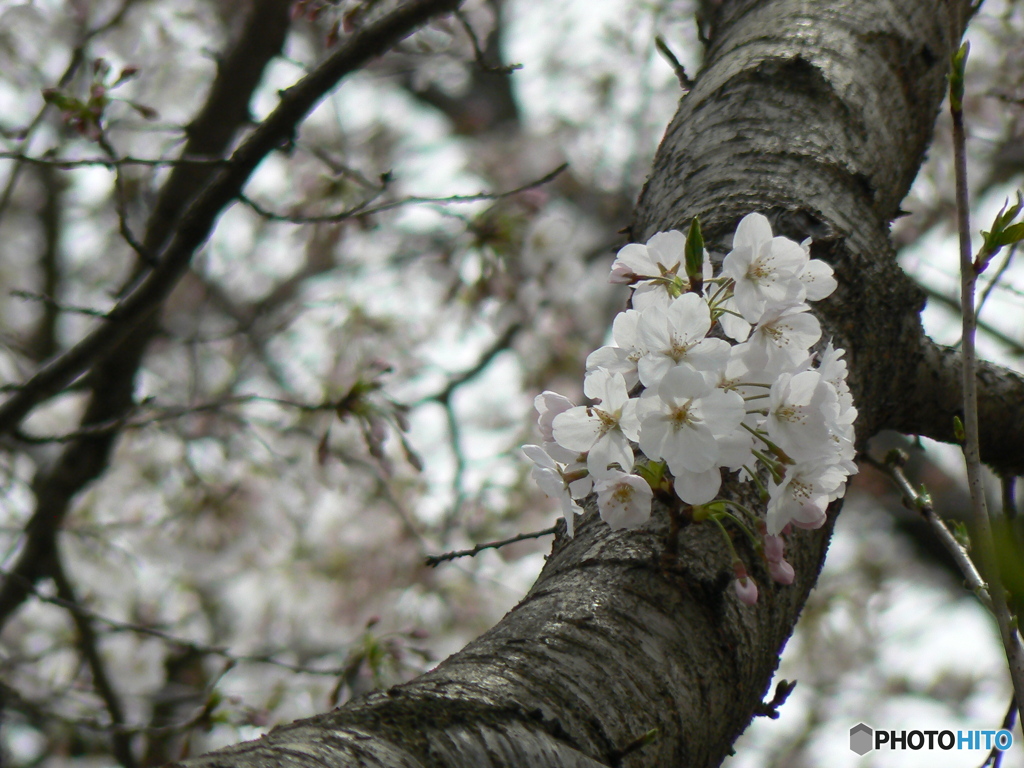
<point x="782" y="572"/>
<point x="746" y="590"/>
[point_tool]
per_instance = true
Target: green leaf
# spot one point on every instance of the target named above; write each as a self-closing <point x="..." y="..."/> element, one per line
<point x="1004" y="232"/>
<point x="956" y="77"/>
<point x="958" y="429"/>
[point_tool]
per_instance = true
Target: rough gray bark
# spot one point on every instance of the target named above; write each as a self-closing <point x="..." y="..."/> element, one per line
<point x="819" y="114"/>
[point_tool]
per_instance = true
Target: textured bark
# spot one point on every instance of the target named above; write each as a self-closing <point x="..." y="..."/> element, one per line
<point x="818" y="114"/>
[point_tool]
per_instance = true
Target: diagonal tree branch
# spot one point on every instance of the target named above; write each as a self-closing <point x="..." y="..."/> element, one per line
<point x="112" y="382"/>
<point x="90" y="647"/>
<point x="630" y="649"/>
<point x="120" y="342"/>
<point x="198" y="221"/>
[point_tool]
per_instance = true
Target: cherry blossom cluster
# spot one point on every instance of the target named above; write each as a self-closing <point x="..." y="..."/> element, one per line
<point x="693" y="403"/>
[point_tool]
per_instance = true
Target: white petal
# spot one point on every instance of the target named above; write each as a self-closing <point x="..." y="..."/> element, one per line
<point x="818" y="280"/>
<point x="698" y="487"/>
<point x="753" y="230"/>
<point x="611" y="449"/>
<point x="539" y="456"/>
<point x="578" y="428"/>
<point x="624" y="500"/>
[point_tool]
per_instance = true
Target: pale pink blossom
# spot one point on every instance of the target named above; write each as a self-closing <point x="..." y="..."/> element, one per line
<point x="603" y="431"/>
<point x="624" y="500"/>
<point x="675" y="336"/>
<point x="765" y="269"/>
<point x="680" y="421"/>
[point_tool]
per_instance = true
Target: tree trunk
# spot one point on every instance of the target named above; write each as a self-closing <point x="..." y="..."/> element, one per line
<point x="818" y="114"/>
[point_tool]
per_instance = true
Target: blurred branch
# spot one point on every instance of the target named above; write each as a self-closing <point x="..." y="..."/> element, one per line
<point x="112" y="381"/>
<point x="498" y="346"/>
<point x="481" y="58"/>
<point x="66" y="163"/>
<point x="15" y="701"/>
<point x="1015" y="346"/>
<point x="43" y="342"/>
<point x="89" y="645"/>
<point x="80" y="612"/>
<point x="77" y="57"/>
<point x="365" y="208"/>
<point x="196" y="224"/>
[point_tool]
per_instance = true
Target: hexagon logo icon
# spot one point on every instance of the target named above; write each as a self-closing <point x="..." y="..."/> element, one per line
<point x="861" y="738"/>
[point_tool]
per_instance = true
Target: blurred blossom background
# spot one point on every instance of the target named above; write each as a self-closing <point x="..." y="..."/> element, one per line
<point x="339" y="386"/>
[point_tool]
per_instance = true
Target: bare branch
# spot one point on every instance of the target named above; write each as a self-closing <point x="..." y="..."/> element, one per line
<point x="365" y="208"/>
<point x="67" y="163"/>
<point x="89" y="644"/>
<point x="434" y="560"/>
<point x="198" y="221"/>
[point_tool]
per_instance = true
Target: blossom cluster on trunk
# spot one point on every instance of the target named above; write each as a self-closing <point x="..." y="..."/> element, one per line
<point x="675" y="403"/>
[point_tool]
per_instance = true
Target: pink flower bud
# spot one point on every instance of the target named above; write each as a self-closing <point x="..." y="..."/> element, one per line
<point x="782" y="572"/>
<point x="746" y="590"/>
<point x="774" y="547"/>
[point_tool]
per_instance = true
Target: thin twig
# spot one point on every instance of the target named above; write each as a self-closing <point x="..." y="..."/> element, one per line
<point x="49" y="301"/>
<point x="170" y="414"/>
<point x="972" y="454"/>
<point x="685" y="81"/>
<point x="365" y="208"/>
<point x="921" y="502"/>
<point x="121" y="205"/>
<point x="478" y="53"/>
<point x="68" y="163"/>
<point x="89" y="645"/>
<point x="998" y="276"/>
<point x="434" y="560"/>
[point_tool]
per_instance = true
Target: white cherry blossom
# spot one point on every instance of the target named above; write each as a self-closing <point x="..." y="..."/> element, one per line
<point x="548" y="405"/>
<point x="624" y="500"/>
<point x="697" y="487"/>
<point x="675" y="336"/>
<point x="765" y="269"/>
<point x="657" y="269"/>
<point x="679" y="422"/>
<point x="623" y="356"/>
<point x="818" y="280"/>
<point x="550" y="479"/>
<point x="783" y="335"/>
<point x="803" y="495"/>
<point x="604" y="430"/>
<point x="704" y="400"/>
<point x="797" y="414"/>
